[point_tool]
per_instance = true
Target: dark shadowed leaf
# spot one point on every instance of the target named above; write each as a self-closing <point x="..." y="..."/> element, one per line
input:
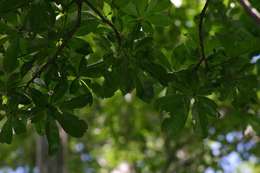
<point x="10" y="61"/>
<point x="201" y="119"/>
<point x="60" y="90"/>
<point x="87" y="26"/>
<point x="144" y="90"/>
<point x="94" y="70"/>
<point x="39" y="98"/>
<point x="178" y="107"/>
<point x="74" y="86"/>
<point x="156" y="71"/>
<point x="19" y="125"/>
<point x="11" y="5"/>
<point x="158" y="5"/>
<point x="159" y="20"/>
<point x="72" y="124"/>
<point x="78" y="102"/>
<point x="202" y="108"/>
<point x="41" y="16"/>
<point x="39" y="120"/>
<point x="80" y="46"/>
<point x="6" y="134"/>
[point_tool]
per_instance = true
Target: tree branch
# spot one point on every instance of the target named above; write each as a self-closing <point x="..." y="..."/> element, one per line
<point x="106" y="21"/>
<point x="251" y="10"/>
<point x="201" y="36"/>
<point x="61" y="47"/>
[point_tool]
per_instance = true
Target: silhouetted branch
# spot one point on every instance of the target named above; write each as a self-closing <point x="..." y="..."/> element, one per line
<point x="251" y="10"/>
<point x="201" y="36"/>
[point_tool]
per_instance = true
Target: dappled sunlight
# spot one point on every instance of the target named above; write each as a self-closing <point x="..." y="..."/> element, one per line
<point x="176" y="3"/>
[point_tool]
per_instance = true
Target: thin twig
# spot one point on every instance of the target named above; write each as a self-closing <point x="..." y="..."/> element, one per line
<point x="106" y="21"/>
<point x="61" y="47"/>
<point x="251" y="10"/>
<point x="201" y="36"/>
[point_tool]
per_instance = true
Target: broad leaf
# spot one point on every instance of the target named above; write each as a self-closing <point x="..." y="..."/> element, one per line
<point x="60" y="90"/>
<point x="78" y="102"/>
<point x="178" y="107"/>
<point x="72" y="124"/>
<point x="202" y="108"/>
<point x="10" y="61"/>
<point x="6" y="134"/>
<point x="200" y="118"/>
<point x="39" y="98"/>
<point x="19" y="125"/>
<point x="159" y="20"/>
<point x="11" y="5"/>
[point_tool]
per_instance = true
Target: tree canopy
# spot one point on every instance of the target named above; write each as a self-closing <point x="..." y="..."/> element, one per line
<point x="195" y="64"/>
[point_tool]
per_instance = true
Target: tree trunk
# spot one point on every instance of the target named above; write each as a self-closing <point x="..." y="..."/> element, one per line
<point x="51" y="164"/>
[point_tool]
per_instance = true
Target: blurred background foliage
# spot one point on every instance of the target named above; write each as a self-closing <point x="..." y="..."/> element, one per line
<point x="125" y="137"/>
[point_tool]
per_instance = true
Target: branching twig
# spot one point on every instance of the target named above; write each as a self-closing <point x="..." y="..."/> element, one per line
<point x="106" y="21"/>
<point x="201" y="36"/>
<point x="61" y="47"/>
<point x="251" y="10"/>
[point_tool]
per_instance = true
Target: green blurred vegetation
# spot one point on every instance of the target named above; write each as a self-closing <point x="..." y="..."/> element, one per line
<point x="125" y="136"/>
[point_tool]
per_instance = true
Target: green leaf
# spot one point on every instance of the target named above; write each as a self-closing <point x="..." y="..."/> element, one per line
<point x="94" y="70"/>
<point x="53" y="137"/>
<point x="80" y="46"/>
<point x="22" y="98"/>
<point x="6" y="134"/>
<point x="40" y="17"/>
<point x="121" y="3"/>
<point x="39" y="98"/>
<point x="11" y="5"/>
<point x="144" y="90"/>
<point x="122" y="76"/>
<point x="202" y="108"/>
<point x="90" y="25"/>
<point x="159" y="20"/>
<point x="111" y="84"/>
<point x="26" y="67"/>
<point x="237" y="41"/>
<point x="5" y="29"/>
<point x="140" y="6"/>
<point x="209" y="106"/>
<point x="19" y="125"/>
<point x="82" y="65"/>
<point x="39" y="120"/>
<point x="72" y="124"/>
<point x="156" y="71"/>
<point x="74" y="86"/>
<point x="78" y="102"/>
<point x="13" y="81"/>
<point x="60" y="90"/>
<point x="130" y="9"/>
<point x="158" y="5"/>
<point x="10" y="61"/>
<point x="185" y="81"/>
<point x="178" y="107"/>
<point x="201" y="119"/>
<point x="182" y="57"/>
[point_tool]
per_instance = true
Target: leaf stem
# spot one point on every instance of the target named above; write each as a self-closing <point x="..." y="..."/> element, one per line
<point x="201" y="36"/>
